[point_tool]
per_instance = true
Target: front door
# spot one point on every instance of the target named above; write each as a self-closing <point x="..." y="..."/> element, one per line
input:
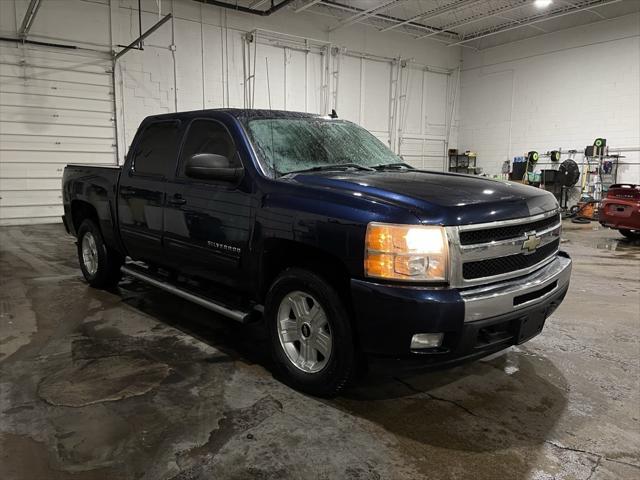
<point x="141" y="191"/>
<point x="208" y="222"/>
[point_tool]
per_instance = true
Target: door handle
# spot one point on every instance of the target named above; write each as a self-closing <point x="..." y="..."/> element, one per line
<point x="127" y="191"/>
<point x="177" y="200"/>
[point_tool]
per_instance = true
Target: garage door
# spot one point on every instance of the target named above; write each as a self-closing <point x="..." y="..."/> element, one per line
<point x="364" y="93"/>
<point x="56" y="107"/>
<point x="423" y="119"/>
<point x="423" y="153"/>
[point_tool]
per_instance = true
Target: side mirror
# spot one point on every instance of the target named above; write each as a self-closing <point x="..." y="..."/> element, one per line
<point x="210" y="166"/>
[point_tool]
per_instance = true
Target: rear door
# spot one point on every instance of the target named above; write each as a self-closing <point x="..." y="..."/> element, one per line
<point x="141" y="193"/>
<point x="208" y="222"/>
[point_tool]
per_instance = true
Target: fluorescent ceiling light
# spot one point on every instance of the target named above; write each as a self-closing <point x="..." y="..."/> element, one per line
<point x="542" y="3"/>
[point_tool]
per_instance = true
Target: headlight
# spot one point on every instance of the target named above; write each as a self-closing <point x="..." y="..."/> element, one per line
<point x="406" y="252"/>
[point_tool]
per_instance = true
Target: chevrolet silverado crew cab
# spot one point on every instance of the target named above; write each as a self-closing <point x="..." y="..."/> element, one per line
<point x="315" y="227"/>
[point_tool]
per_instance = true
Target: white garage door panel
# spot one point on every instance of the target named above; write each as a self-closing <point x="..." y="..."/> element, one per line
<point x="436" y="104"/>
<point x="425" y="107"/>
<point x="55" y="130"/>
<point x="52" y="101"/>
<point x="25" y="156"/>
<point x="16" y="198"/>
<point x="15" y="184"/>
<point x="382" y="136"/>
<point x="424" y="118"/>
<point x="425" y="154"/>
<point x="349" y="94"/>
<point x="62" y="89"/>
<point x="296" y="79"/>
<point x="57" y="144"/>
<point x="377" y="94"/>
<point x="57" y="116"/>
<point x="81" y="78"/>
<point x="314" y="82"/>
<point x="54" y="89"/>
<point x="411" y="152"/>
<point x="29" y="170"/>
<point x="29" y="214"/>
<point x="433" y="147"/>
<point x="66" y="61"/>
<point x="269" y="92"/>
<point x="414" y="102"/>
<point x="56" y="107"/>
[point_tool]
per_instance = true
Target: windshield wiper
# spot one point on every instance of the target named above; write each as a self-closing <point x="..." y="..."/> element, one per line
<point x="337" y="166"/>
<point x="393" y="166"/>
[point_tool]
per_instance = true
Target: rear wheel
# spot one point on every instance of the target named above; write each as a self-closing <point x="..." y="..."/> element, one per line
<point x="310" y="333"/>
<point x="100" y="265"/>
<point x="631" y="234"/>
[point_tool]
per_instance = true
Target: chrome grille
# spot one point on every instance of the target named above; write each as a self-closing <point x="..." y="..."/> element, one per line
<point x="496" y="251"/>
<point x="510" y="263"/>
<point x="509" y="231"/>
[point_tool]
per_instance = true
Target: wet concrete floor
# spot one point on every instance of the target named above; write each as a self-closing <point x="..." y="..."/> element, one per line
<point x="136" y="383"/>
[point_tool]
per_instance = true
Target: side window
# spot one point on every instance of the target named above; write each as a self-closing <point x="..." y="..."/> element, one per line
<point x="157" y="150"/>
<point x="208" y="136"/>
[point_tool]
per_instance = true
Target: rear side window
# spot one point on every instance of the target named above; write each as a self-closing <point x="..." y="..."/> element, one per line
<point x="157" y="150"/>
<point x="208" y="136"/>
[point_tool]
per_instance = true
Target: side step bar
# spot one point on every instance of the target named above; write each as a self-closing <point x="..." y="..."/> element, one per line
<point x="237" y="315"/>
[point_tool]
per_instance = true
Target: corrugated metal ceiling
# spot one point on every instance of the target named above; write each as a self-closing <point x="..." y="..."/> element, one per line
<point x="472" y="23"/>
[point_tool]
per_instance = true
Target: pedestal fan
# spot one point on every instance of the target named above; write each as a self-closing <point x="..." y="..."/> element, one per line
<point x="568" y="175"/>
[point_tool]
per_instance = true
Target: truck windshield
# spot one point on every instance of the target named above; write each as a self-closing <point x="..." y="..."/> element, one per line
<point x="288" y="145"/>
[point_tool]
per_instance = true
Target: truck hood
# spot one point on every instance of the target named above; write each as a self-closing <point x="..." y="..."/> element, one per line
<point x="439" y="198"/>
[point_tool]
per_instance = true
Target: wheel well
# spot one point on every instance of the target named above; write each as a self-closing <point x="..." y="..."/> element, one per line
<point x="284" y="254"/>
<point x="81" y="210"/>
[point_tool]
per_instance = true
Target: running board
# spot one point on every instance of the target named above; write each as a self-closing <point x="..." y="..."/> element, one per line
<point x="237" y="315"/>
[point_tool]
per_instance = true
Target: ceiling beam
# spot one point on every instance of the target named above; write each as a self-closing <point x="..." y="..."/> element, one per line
<point x="597" y="14"/>
<point x="478" y="17"/>
<point x="306" y="5"/>
<point x="364" y="14"/>
<point x="535" y="27"/>
<point x="29" y="17"/>
<point x="435" y="12"/>
<point x="386" y="18"/>
<point x="543" y="17"/>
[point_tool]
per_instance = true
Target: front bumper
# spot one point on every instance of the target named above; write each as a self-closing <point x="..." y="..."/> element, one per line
<point x="475" y="321"/>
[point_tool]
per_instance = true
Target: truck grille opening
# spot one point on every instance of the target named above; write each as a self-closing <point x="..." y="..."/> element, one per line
<point x="527" y="297"/>
<point x="471" y="237"/>
<point x="510" y="263"/>
<point x="495" y="334"/>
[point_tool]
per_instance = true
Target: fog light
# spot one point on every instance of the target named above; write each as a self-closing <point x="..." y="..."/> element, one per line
<point x="426" y="340"/>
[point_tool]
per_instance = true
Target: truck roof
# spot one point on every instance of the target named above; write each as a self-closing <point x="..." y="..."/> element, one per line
<point x="241" y="113"/>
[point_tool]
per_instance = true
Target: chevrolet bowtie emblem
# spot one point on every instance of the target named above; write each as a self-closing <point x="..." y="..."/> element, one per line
<point x="531" y="243"/>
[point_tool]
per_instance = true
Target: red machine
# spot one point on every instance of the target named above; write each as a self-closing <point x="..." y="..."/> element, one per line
<point x="621" y="209"/>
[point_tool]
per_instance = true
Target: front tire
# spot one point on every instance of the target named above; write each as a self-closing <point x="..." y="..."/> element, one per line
<point x="310" y="333"/>
<point x="100" y="265"/>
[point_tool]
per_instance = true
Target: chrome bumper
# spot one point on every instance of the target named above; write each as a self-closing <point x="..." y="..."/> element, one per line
<point x="508" y="297"/>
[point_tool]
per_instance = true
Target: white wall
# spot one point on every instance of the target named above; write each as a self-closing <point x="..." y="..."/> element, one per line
<point x="559" y="90"/>
<point x="206" y="67"/>
<point x="199" y="59"/>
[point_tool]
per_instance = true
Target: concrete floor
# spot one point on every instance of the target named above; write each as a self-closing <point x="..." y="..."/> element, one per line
<point x="140" y="384"/>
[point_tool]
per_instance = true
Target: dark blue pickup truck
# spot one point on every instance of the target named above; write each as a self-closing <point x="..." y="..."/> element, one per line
<point x="312" y="225"/>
